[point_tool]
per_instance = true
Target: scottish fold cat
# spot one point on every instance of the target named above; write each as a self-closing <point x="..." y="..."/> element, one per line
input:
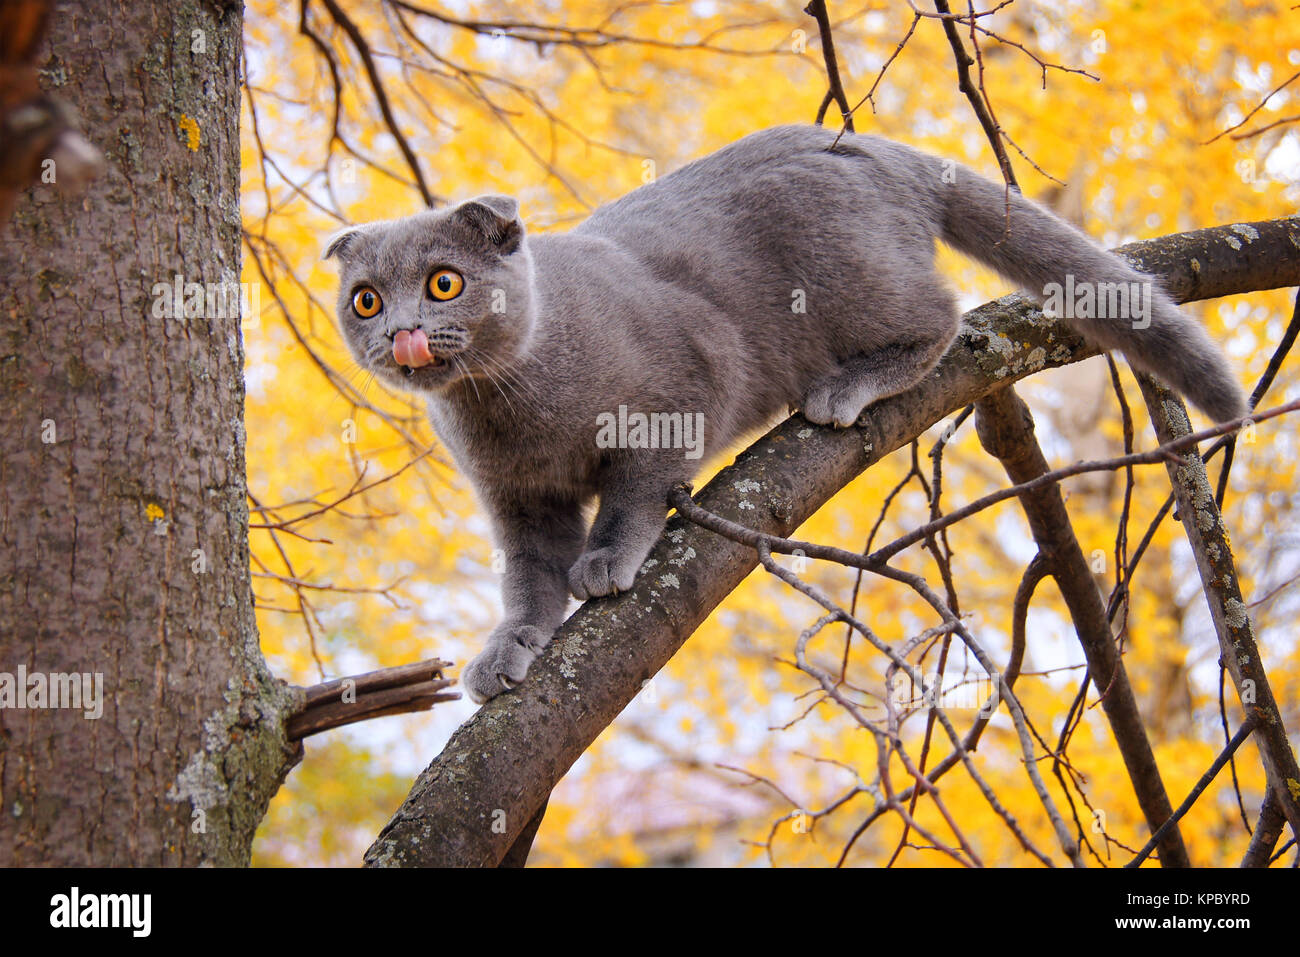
<point x="793" y="267"/>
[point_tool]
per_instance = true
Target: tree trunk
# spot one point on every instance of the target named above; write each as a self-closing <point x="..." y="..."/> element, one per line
<point x="123" y="512"/>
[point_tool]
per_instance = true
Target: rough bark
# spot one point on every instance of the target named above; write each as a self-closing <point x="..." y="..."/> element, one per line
<point x="123" y="516"/>
<point x="1239" y="652"/>
<point x="469" y="807"/>
<point x="1268" y="830"/>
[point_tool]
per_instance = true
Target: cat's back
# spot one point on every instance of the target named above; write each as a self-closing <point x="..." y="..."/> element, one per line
<point x="785" y="209"/>
<point x="718" y="183"/>
<point x="801" y="172"/>
<point x="783" y="197"/>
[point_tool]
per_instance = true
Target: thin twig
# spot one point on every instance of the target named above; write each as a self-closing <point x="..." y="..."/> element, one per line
<point x="1242" y="734"/>
<point x="817" y="10"/>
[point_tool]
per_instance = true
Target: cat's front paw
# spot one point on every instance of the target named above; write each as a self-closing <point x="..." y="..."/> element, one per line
<point x="504" y="662"/>
<point x="602" y="572"/>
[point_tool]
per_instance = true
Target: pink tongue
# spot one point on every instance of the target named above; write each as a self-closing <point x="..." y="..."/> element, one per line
<point x="412" y="348"/>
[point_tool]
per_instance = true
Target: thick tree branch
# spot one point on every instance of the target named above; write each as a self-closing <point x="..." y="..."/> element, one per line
<point x="1268" y="830"/>
<point x="471" y="804"/>
<point x="1239" y="652"/>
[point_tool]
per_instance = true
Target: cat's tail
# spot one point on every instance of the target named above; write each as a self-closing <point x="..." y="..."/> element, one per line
<point x="1098" y="294"/>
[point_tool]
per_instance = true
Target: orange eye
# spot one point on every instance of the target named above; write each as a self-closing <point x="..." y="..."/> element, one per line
<point x="445" y="284"/>
<point x="366" y="302"/>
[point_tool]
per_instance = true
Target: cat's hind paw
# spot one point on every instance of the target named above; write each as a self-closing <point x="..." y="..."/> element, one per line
<point x="837" y="402"/>
<point x="504" y="662"/>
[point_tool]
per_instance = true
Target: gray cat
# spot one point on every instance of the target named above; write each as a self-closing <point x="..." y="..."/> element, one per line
<point x="786" y="269"/>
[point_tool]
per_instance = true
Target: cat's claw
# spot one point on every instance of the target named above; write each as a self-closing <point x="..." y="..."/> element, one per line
<point x="600" y="573"/>
<point x="504" y="662"/>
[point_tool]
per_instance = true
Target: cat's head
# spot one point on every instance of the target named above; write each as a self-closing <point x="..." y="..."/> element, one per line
<point x="429" y="300"/>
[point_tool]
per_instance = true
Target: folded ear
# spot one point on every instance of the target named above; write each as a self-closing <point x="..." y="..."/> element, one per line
<point x="337" y="244"/>
<point x="497" y="218"/>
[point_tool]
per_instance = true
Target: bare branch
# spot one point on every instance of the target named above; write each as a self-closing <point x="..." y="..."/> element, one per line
<point x="1268" y="830"/>
<point x="1258" y="106"/>
<point x="400" y="690"/>
<point x="1239" y="651"/>
<point x="362" y="47"/>
<point x="817" y="10"/>
<point x="1238" y="739"/>
<point x="976" y="94"/>
<point x="1006" y="430"/>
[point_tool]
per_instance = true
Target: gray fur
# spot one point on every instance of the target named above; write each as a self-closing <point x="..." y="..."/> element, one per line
<point x="683" y="297"/>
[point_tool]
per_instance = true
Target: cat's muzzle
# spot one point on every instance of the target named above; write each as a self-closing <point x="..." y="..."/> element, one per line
<point x="413" y="349"/>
